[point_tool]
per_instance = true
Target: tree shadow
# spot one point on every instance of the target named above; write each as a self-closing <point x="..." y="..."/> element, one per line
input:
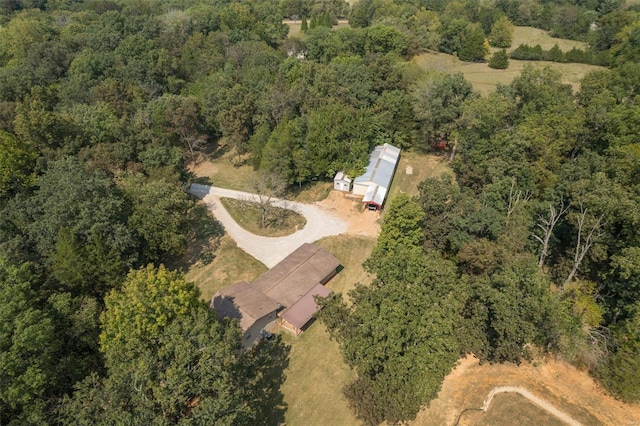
<point x="204" y="238"/>
<point x="272" y="356"/>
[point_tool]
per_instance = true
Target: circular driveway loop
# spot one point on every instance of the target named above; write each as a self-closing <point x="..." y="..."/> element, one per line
<point x="270" y="250"/>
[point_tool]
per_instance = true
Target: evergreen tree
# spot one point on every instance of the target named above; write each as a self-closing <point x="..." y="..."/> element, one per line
<point x="326" y="20"/>
<point x="473" y="44"/>
<point x="313" y="22"/>
<point x="303" y="26"/>
<point x="499" y="60"/>
<point x="555" y="54"/>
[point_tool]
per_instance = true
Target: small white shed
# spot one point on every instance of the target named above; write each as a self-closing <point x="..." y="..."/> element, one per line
<point x="341" y="182"/>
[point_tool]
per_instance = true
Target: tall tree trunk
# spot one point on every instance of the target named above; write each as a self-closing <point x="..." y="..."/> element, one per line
<point x="547" y="226"/>
<point x="583" y="247"/>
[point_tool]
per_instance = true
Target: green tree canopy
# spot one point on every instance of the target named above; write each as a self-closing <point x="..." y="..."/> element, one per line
<point x="17" y="161"/>
<point x="499" y="60"/>
<point x="148" y="301"/>
<point x="501" y="33"/>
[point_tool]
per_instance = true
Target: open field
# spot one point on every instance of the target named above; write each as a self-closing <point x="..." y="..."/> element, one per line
<point x="422" y="166"/>
<point x="485" y="79"/>
<point x="279" y="222"/>
<point x="294" y="26"/>
<point x="317" y="373"/>
<point x="533" y="36"/>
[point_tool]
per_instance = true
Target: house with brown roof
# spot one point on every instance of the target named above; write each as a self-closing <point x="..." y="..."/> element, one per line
<point x="289" y="288"/>
<point x="297" y="317"/>
<point x="252" y="308"/>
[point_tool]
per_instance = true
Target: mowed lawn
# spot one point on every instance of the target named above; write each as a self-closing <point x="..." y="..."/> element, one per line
<point x="420" y="166"/>
<point x="229" y="265"/>
<point x="485" y="79"/>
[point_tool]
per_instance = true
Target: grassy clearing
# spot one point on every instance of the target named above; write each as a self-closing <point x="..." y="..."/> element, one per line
<point x="223" y="172"/>
<point x="310" y="192"/>
<point x="316" y="372"/>
<point x="533" y="36"/>
<point x="314" y="380"/>
<point x="423" y="166"/>
<point x="228" y="266"/>
<point x="294" y="26"/>
<point x="279" y="222"/>
<point x="352" y="251"/>
<point x="485" y="79"/>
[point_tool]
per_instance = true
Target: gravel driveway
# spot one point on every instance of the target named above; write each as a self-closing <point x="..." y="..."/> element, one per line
<point x="270" y="250"/>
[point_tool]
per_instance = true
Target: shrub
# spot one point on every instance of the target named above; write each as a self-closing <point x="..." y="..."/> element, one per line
<point x="524" y="52"/>
<point x="499" y="60"/>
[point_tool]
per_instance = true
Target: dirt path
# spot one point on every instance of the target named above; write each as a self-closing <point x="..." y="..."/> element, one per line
<point x="270" y="250"/>
<point x="565" y="387"/>
<point x="531" y="397"/>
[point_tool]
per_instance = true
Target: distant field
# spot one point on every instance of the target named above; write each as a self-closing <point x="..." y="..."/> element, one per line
<point x="294" y="26"/>
<point x="485" y="79"/>
<point x="533" y="36"/>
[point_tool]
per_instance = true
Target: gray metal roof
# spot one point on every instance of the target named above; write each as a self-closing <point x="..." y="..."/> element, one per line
<point x="375" y="195"/>
<point x="379" y="173"/>
<point x="382" y="164"/>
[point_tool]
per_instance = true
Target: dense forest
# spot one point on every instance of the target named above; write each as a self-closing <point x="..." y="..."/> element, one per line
<point x="532" y="247"/>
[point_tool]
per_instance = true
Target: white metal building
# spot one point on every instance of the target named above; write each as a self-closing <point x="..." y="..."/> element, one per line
<point x="374" y="184"/>
<point x="342" y="182"/>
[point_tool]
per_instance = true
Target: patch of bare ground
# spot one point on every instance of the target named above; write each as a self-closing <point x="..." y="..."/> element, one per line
<point x="349" y="208"/>
<point x="558" y="383"/>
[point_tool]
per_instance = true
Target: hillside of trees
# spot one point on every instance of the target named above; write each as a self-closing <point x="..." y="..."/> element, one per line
<point x="103" y="104"/>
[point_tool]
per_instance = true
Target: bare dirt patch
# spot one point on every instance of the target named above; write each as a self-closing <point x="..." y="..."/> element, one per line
<point x="565" y="387"/>
<point x="349" y="209"/>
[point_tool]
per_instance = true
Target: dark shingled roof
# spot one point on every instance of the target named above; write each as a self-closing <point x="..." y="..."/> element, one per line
<point x="243" y="301"/>
<point x="294" y="276"/>
<point x="301" y="312"/>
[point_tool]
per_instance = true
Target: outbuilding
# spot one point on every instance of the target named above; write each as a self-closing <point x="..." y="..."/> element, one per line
<point x="341" y="182"/>
<point x="374" y="184"/>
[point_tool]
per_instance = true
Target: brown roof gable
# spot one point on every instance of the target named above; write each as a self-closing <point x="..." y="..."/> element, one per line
<point x="301" y="312"/>
<point x="243" y="301"/>
<point x="294" y="276"/>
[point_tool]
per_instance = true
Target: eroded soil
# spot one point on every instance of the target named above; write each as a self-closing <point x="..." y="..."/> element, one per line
<point x="565" y="387"/>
